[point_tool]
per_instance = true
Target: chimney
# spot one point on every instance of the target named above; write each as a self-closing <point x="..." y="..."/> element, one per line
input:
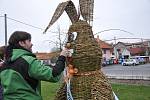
<point x="97" y="36"/>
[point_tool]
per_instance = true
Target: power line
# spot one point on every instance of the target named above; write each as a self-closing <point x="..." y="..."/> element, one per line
<point x="24" y="23"/>
<point x="125" y="38"/>
<point x="29" y="24"/>
<point x="114" y="29"/>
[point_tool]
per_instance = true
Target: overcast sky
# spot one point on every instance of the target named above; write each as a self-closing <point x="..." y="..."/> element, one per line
<point x="128" y="15"/>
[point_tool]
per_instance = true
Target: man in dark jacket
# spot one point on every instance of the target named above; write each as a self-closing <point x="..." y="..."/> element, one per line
<point x="22" y="72"/>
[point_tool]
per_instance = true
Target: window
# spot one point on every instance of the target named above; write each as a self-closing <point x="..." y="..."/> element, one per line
<point x="118" y="50"/>
<point x="104" y="51"/>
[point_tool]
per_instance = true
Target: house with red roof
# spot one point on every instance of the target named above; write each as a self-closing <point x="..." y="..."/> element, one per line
<point x="47" y="58"/>
<point x="121" y="51"/>
<point x="107" y="49"/>
<point x="138" y="51"/>
<point x="126" y="50"/>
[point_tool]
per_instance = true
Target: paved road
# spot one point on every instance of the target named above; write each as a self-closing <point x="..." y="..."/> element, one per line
<point x="128" y="72"/>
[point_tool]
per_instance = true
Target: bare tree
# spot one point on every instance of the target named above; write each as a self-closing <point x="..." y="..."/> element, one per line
<point x="59" y="39"/>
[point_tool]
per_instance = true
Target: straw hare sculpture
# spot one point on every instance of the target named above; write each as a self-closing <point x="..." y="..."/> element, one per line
<point x="88" y="83"/>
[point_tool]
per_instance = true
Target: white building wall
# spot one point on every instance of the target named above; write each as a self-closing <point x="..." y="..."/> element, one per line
<point x="107" y="55"/>
<point x="126" y="52"/>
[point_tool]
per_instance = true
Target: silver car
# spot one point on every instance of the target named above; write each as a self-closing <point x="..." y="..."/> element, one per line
<point x="129" y="62"/>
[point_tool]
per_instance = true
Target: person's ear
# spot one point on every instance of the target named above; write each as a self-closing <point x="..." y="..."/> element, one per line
<point x="21" y="43"/>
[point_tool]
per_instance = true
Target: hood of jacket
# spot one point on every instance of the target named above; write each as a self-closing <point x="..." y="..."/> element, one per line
<point x="13" y="52"/>
<point x="16" y="53"/>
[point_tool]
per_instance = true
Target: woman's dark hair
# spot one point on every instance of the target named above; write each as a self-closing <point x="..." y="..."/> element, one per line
<point x="2" y="52"/>
<point x="14" y="42"/>
<point x="18" y="36"/>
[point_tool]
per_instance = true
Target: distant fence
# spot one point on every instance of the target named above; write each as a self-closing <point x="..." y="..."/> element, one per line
<point x="130" y="74"/>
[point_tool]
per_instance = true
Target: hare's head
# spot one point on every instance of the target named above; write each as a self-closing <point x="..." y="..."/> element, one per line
<point x="86" y="10"/>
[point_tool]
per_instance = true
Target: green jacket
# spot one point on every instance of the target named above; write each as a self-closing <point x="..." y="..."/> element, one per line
<point x="13" y="80"/>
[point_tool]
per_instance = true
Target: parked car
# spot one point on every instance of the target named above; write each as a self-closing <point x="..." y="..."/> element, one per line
<point x="107" y="62"/>
<point x="141" y="60"/>
<point x="120" y="61"/>
<point x="128" y="62"/>
<point x="104" y="63"/>
<point x="115" y="61"/>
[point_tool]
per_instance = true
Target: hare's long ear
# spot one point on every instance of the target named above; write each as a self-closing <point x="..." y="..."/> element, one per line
<point x="72" y="12"/>
<point x="86" y="8"/>
<point x="67" y="6"/>
<point x="58" y="12"/>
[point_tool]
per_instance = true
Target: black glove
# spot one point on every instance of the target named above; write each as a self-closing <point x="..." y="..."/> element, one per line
<point x="59" y="67"/>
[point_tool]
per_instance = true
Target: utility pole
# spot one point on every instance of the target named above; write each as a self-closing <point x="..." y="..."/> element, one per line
<point x="59" y="38"/>
<point x="115" y="40"/>
<point x="116" y="53"/>
<point x="5" y="16"/>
